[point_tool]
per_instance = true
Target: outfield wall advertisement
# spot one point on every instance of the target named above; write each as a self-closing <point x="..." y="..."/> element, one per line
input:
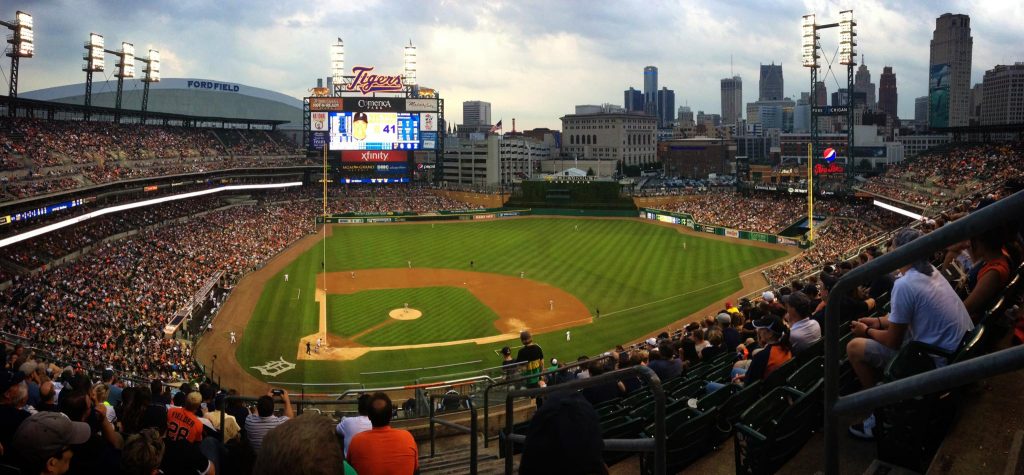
<point x="684" y="219"/>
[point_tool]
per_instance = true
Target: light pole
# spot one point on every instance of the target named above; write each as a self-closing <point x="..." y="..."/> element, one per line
<point x="94" y="62"/>
<point x="152" y="74"/>
<point x="125" y="69"/>
<point x="22" y="46"/>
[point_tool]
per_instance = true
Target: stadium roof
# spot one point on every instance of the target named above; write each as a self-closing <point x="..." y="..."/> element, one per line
<point x="185" y="96"/>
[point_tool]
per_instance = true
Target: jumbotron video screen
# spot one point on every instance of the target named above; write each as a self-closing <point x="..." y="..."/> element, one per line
<point x="374" y="131"/>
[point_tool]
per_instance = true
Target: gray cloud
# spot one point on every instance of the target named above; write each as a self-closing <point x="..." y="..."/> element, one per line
<point x="532" y="59"/>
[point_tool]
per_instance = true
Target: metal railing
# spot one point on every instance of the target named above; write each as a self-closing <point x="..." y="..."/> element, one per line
<point x="471" y="430"/>
<point x="519" y="379"/>
<point x="985" y="220"/>
<point x="657" y="444"/>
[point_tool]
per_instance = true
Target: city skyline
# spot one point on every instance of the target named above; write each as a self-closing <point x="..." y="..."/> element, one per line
<point x="528" y="66"/>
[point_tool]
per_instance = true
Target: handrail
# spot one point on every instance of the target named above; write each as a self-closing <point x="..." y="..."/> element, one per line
<point x="937" y="380"/>
<point x="505" y="382"/>
<point x="471" y="430"/>
<point x="656" y="445"/>
<point x="978" y="222"/>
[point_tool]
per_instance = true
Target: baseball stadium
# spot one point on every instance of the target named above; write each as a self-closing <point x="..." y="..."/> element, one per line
<point x="204" y="276"/>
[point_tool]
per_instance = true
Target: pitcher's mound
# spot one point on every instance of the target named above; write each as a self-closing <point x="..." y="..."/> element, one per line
<point x="405" y="314"/>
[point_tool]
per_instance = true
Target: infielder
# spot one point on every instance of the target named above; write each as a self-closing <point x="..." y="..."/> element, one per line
<point x="232" y="334"/>
<point x="568" y="335"/>
<point x="319" y="341"/>
<point x="551" y="304"/>
<point x="286" y="277"/>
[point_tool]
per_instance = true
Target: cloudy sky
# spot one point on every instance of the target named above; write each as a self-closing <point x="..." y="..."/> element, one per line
<point x="533" y="60"/>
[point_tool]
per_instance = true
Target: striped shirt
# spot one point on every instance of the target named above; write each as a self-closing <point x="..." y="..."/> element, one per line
<point x="256" y="428"/>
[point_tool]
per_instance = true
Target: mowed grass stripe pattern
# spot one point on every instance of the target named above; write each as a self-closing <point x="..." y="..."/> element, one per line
<point x="639" y="273"/>
<point x="449" y="313"/>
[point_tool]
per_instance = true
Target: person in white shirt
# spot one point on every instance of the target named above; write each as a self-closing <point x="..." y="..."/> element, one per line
<point x="350" y="426"/>
<point x="803" y="330"/>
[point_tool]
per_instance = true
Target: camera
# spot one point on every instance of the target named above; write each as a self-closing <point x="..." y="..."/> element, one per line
<point x="277" y="392"/>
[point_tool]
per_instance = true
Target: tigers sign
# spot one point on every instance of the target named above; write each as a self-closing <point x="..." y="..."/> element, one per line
<point x="366" y="82"/>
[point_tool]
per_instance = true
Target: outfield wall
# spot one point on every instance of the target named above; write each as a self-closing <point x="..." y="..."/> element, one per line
<point x="687" y="220"/>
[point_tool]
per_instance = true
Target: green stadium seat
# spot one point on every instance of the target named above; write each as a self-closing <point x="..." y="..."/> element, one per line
<point x="690" y="390"/>
<point x="778" y="377"/>
<point x="805" y="377"/>
<point x="774" y="429"/>
<point x="688" y="439"/>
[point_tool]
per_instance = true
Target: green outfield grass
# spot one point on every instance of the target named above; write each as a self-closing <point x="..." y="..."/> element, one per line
<point x="638" y="274"/>
<point x="449" y="313"/>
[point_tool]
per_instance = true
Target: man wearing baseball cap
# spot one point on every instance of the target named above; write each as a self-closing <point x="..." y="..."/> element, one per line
<point x="13" y="396"/>
<point x="43" y="443"/>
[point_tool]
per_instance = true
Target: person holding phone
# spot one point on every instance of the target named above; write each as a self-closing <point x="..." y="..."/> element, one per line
<point x="257" y="425"/>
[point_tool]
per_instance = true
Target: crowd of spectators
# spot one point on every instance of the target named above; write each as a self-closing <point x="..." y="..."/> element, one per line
<point x="110" y="306"/>
<point x="833" y="243"/>
<point x="935" y="177"/>
<point x="39" y="157"/>
<point x="399" y="199"/>
<point x="760" y="213"/>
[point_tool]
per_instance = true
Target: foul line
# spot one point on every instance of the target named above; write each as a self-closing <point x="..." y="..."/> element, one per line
<point x="738" y="277"/>
<point x="418" y="369"/>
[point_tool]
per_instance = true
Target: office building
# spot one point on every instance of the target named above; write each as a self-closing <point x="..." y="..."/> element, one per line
<point x="476" y="113"/>
<point x="633" y="100"/>
<point x="1003" y="95"/>
<point x="666" y="105"/>
<point x="770" y="86"/>
<point x="921" y="113"/>
<point x="732" y="100"/>
<point x="685" y="115"/>
<point x="651" y="90"/>
<point x="821" y="93"/>
<point x="628" y="138"/>
<point x="862" y="83"/>
<point x="493" y="159"/>
<point x="696" y="158"/>
<point x="949" y="74"/>
<point x="977" y="95"/>
<point x="887" y="98"/>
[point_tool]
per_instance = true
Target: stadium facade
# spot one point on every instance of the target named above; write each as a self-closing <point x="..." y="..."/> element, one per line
<point x="189" y="96"/>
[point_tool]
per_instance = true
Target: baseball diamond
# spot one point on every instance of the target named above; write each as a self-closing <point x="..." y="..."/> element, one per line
<point x="642" y="275"/>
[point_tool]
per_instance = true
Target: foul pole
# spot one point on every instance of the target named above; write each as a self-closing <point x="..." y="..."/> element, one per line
<point x="810" y="192"/>
<point x="323" y="267"/>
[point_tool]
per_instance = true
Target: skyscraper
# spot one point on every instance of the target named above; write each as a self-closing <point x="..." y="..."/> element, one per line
<point x="1003" y="95"/>
<point x="887" y="92"/>
<point x="685" y="115"/>
<point x="633" y="100"/>
<point x="862" y="83"/>
<point x="821" y="93"/>
<point x="770" y="86"/>
<point x="949" y="74"/>
<point x="732" y="100"/>
<point x="921" y="113"/>
<point x="476" y="113"/>
<point x="651" y="90"/>
<point x="666" y="105"/>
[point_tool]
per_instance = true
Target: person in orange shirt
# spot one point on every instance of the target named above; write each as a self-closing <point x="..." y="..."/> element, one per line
<point x="383" y="450"/>
<point x="182" y="423"/>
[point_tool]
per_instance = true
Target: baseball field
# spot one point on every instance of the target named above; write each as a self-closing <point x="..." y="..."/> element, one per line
<point x="393" y="303"/>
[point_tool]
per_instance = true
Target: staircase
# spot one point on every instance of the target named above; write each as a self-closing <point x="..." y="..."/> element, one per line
<point x="456" y="461"/>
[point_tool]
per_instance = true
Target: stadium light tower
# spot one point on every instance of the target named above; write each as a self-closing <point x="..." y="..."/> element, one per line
<point x="337" y="64"/>
<point x="848" y="58"/>
<point x="125" y="69"/>
<point x="151" y="75"/>
<point x="22" y="43"/>
<point x="809" y="59"/>
<point x="94" y="63"/>
<point x="409" y="76"/>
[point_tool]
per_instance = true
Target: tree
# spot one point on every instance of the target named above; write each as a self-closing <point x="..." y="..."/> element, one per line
<point x="590" y="172"/>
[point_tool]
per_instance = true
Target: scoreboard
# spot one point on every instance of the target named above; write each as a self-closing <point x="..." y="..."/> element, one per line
<point x="374" y="131"/>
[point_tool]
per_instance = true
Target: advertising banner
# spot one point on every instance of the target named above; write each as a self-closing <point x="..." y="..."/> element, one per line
<point x="428" y="122"/>
<point x="421" y="105"/>
<point x="374" y="104"/>
<point x="317" y="140"/>
<point x="732" y="233"/>
<point x="374" y="156"/>
<point x="326" y="104"/>
<point x="428" y="140"/>
<point x="938" y="95"/>
<point x="318" y="121"/>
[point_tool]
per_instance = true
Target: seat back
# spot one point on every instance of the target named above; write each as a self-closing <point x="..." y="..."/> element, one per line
<point x="805" y="377"/>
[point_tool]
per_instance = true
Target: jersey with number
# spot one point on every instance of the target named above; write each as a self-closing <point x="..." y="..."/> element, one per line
<point x="183" y="425"/>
